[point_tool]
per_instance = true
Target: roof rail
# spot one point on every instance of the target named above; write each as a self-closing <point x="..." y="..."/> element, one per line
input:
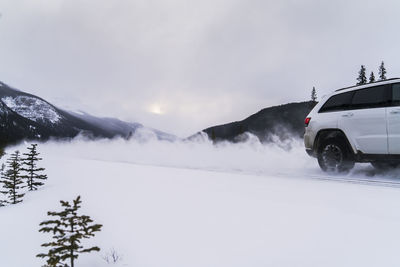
<point x="366" y="84"/>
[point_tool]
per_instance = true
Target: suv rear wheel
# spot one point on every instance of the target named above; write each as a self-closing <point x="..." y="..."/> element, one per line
<point x="334" y="156"/>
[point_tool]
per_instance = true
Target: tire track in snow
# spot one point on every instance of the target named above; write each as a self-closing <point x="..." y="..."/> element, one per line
<point x="380" y="180"/>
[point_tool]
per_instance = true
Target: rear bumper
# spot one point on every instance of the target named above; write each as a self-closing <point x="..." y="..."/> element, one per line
<point x="308" y="142"/>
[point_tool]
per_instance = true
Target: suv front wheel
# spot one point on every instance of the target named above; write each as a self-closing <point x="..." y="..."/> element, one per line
<point x="334" y="156"/>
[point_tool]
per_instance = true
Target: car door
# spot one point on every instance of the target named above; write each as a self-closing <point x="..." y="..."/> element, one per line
<point x="332" y="109"/>
<point x="364" y="123"/>
<point x="393" y="121"/>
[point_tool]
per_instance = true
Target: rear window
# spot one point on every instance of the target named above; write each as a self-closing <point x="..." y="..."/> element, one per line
<point x="337" y="102"/>
<point x="370" y="97"/>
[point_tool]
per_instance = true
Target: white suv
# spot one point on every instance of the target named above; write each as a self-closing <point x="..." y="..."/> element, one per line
<point x="356" y="124"/>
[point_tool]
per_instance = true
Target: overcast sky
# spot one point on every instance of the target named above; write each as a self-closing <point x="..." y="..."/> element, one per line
<point x="181" y="66"/>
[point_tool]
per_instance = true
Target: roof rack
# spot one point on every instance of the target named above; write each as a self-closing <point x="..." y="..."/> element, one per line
<point x="366" y="84"/>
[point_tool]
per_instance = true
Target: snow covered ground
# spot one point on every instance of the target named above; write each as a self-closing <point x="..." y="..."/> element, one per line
<point x="193" y="204"/>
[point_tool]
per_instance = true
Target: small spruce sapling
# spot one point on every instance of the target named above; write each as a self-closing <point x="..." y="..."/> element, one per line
<point x="2" y="202"/>
<point x="372" y="77"/>
<point x="2" y="152"/>
<point x="2" y="169"/>
<point x="313" y="95"/>
<point x="382" y="71"/>
<point x="12" y="179"/>
<point x="68" y="230"/>
<point x="362" y="78"/>
<point x="33" y="172"/>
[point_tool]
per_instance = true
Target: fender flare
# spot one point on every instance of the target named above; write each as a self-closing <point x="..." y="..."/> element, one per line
<point x="335" y="134"/>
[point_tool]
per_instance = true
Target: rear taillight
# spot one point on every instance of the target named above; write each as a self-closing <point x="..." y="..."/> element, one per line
<point x="307" y="121"/>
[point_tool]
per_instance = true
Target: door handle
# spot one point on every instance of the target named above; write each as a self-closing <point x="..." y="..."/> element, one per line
<point x="395" y="112"/>
<point x="349" y="114"/>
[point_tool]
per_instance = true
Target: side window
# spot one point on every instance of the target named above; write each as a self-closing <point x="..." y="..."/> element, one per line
<point x="396" y="94"/>
<point x="370" y="97"/>
<point x="337" y="102"/>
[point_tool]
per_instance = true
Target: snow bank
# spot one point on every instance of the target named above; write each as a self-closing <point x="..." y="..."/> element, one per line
<point x="194" y="204"/>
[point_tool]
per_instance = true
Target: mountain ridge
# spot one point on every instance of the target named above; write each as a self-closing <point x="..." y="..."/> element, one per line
<point x="284" y="121"/>
<point x="27" y="116"/>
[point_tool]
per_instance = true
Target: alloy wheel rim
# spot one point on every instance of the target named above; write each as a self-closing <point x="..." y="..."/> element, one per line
<point x="332" y="156"/>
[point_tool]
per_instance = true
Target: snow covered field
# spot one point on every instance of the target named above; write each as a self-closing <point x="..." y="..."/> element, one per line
<point x="193" y="204"/>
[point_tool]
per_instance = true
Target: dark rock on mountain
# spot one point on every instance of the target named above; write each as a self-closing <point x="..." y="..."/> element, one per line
<point x="284" y="121"/>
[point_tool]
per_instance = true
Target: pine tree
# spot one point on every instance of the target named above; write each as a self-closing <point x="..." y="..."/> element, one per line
<point x="2" y="202"/>
<point x="313" y="95"/>
<point x="382" y="72"/>
<point x="31" y="168"/>
<point x="241" y="129"/>
<point x="362" y="79"/>
<point x="2" y="152"/>
<point x="372" y="77"/>
<point x="12" y="179"/>
<point x="68" y="230"/>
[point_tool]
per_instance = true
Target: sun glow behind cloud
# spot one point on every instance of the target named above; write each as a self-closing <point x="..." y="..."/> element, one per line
<point x="156" y="109"/>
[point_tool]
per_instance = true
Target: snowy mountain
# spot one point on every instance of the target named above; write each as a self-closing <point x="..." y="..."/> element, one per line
<point x="26" y="116"/>
<point x="32" y="108"/>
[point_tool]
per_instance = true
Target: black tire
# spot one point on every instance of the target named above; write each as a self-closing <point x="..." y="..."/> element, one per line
<point x="334" y="155"/>
<point x="385" y="166"/>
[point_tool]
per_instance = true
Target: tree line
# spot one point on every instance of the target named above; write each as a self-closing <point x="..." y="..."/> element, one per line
<point x="20" y="172"/>
<point x="361" y="78"/>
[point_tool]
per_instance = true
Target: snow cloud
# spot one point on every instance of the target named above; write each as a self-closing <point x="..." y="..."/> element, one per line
<point x="280" y="159"/>
<point x="249" y="157"/>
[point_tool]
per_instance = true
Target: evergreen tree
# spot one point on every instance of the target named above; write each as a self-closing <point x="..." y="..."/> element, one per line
<point x="362" y="79"/>
<point x="2" y="152"/>
<point x="241" y="129"/>
<point x="31" y="168"/>
<point x="372" y="77"/>
<point x="382" y="72"/>
<point x="68" y="229"/>
<point x="2" y="202"/>
<point x="2" y="169"/>
<point x="313" y="95"/>
<point x="12" y="179"/>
